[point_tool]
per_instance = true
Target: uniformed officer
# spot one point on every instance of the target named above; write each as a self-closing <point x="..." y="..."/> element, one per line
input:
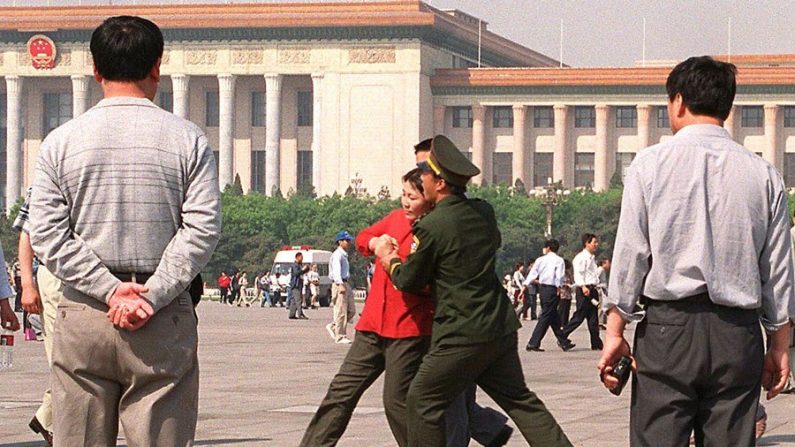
<point x="474" y="331"/>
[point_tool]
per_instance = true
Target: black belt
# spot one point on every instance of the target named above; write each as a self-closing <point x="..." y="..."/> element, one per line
<point x="135" y="277"/>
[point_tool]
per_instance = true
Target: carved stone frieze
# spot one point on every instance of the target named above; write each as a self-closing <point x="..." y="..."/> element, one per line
<point x="64" y="58"/>
<point x="294" y="56"/>
<point x="166" y="57"/>
<point x="372" y="55"/>
<point x="203" y="57"/>
<point x="247" y="57"/>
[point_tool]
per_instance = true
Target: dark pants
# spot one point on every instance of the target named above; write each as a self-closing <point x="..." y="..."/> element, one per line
<point x="368" y="356"/>
<point x="295" y="304"/>
<point x="585" y="311"/>
<point x="564" y="309"/>
<point x="465" y="419"/>
<point x="699" y="370"/>
<point x="549" y="318"/>
<point x="445" y="373"/>
<point x="224" y="294"/>
<point x="529" y="302"/>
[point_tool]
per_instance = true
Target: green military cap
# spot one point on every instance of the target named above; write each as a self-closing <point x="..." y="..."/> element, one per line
<point x="449" y="163"/>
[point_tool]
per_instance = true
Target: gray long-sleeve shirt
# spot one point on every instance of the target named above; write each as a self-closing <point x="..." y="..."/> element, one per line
<point x="700" y="213"/>
<point x="125" y="187"/>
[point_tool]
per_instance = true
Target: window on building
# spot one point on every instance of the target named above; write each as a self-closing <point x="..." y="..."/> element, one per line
<point x="584" y="117"/>
<point x="543" y="117"/>
<point x="752" y="116"/>
<point x="258" y="109"/>
<point x="304" y="109"/>
<point x="789" y="116"/>
<point x="502" y="117"/>
<point x="583" y="169"/>
<point x="462" y="117"/>
<point x="211" y="113"/>
<point x="502" y="168"/>
<point x="626" y="117"/>
<point x="542" y="169"/>
<point x="662" y="118"/>
<point x="623" y="160"/>
<point x="57" y="110"/>
<point x="167" y="101"/>
<point x="789" y="170"/>
<point x="304" y="182"/>
<point x="258" y="171"/>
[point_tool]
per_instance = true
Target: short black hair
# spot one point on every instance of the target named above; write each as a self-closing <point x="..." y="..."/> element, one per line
<point x="125" y="48"/>
<point x="423" y="146"/>
<point x="587" y="237"/>
<point x="518" y="265"/>
<point x="299" y="254"/>
<point x="552" y="244"/>
<point x="707" y="86"/>
<point x="414" y="177"/>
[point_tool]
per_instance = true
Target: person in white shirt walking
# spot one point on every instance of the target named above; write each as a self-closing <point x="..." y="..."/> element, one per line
<point x="548" y="272"/>
<point x="586" y="279"/>
<point x="517" y="284"/>
<point x="313" y="278"/>
<point x="341" y="289"/>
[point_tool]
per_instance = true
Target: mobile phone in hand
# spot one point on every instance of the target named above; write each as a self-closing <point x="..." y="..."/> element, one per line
<point x="621" y="370"/>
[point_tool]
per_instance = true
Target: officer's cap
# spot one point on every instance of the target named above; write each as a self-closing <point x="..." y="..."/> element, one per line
<point x="449" y="163"/>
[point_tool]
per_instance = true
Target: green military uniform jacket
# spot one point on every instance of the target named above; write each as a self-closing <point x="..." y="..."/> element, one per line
<point x="455" y="249"/>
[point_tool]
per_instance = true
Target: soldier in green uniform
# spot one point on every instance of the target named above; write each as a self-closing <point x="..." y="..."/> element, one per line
<point x="474" y="331"/>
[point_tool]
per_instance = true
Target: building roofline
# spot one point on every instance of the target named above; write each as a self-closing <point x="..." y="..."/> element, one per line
<point x="522" y="77"/>
<point x="383" y="14"/>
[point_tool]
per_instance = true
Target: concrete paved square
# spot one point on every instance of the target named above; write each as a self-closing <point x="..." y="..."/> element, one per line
<point x="263" y="375"/>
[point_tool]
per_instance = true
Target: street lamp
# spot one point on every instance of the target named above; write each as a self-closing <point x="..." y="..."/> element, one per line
<point x="551" y="196"/>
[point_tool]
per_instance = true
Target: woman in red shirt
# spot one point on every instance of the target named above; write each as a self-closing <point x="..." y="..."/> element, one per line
<point x="392" y="335"/>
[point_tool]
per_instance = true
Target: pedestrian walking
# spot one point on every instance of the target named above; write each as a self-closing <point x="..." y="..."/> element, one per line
<point x="297" y="270"/>
<point x="474" y="335"/>
<point x="341" y="289"/>
<point x="586" y="280"/>
<point x="224" y="282"/>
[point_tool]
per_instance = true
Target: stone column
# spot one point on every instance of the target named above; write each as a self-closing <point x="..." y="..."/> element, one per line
<point x="438" y="119"/>
<point x="729" y="123"/>
<point x="226" y="115"/>
<point x="80" y="94"/>
<point x="644" y="126"/>
<point x="521" y="156"/>
<point x="13" y="139"/>
<point x="273" y="106"/>
<point x="563" y="157"/>
<point x="317" y="81"/>
<point x="773" y="152"/>
<point x="179" y="92"/>
<point x="603" y="158"/>
<point x="479" y="141"/>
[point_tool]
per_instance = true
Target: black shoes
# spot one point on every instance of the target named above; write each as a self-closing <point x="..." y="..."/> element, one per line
<point x="36" y="426"/>
<point x="568" y="346"/>
<point x="502" y="438"/>
<point x="533" y="348"/>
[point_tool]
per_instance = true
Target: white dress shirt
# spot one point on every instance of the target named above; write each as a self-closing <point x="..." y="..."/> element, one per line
<point x="700" y="213"/>
<point x="548" y="269"/>
<point x="585" y="270"/>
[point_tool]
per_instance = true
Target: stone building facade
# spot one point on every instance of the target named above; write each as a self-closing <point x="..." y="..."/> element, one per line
<point x="299" y="95"/>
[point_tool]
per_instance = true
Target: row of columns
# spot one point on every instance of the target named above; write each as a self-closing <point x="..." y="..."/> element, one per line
<point x="180" y="84"/>
<point x="564" y="150"/>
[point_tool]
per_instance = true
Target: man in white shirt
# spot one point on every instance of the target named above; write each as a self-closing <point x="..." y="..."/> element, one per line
<point x="586" y="279"/>
<point x="548" y="272"/>
<point x="703" y="242"/>
<point x="517" y="283"/>
<point x="341" y="289"/>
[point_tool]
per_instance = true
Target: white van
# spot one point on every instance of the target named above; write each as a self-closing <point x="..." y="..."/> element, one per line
<point x="286" y="257"/>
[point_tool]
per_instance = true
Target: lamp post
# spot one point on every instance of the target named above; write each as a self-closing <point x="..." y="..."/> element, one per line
<point x="551" y="196"/>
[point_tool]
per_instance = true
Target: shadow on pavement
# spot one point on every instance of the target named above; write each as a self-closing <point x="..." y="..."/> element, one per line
<point x="775" y="440"/>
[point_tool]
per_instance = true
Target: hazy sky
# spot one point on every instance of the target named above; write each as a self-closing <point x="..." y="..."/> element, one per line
<point x="610" y="32"/>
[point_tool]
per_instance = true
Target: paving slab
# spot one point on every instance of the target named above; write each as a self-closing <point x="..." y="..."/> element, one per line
<point x="262" y="376"/>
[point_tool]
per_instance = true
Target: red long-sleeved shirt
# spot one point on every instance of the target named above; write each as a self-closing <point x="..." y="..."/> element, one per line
<point x="389" y="312"/>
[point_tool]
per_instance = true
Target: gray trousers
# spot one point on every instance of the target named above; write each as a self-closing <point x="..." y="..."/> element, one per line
<point x="699" y="370"/>
<point x="148" y="379"/>
<point x="295" y="304"/>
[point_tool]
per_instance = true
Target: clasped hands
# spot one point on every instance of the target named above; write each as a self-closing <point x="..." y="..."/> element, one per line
<point x="384" y="246"/>
<point x="128" y="308"/>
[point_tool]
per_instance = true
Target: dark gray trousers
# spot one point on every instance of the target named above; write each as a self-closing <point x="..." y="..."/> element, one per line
<point x="295" y="304"/>
<point x="699" y="370"/>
